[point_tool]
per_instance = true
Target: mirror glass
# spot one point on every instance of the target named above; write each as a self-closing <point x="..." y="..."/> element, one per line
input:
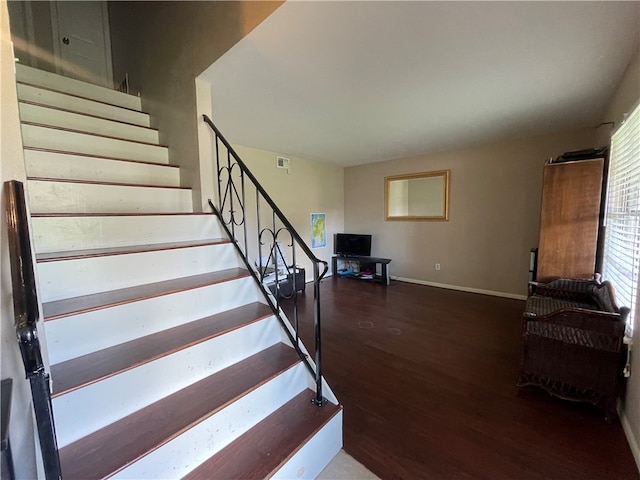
<point x="418" y="196"/>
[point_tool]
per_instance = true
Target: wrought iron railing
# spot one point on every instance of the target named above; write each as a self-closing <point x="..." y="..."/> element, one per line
<point x="260" y="231"/>
<point x="25" y="307"/>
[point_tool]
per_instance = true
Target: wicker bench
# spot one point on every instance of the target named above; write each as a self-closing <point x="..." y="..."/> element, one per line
<point x="573" y="341"/>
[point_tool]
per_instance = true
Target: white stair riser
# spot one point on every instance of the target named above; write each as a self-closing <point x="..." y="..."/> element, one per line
<point x="184" y="453"/>
<point x="77" y="335"/>
<point x="76" y="87"/>
<point x="84" y="123"/>
<point x="58" y="234"/>
<point x="76" y="167"/>
<point x="65" y="197"/>
<point x="73" y="278"/>
<point x="81" y="105"/>
<point x="54" y="139"/>
<point x="88" y="409"/>
<point x="315" y="454"/>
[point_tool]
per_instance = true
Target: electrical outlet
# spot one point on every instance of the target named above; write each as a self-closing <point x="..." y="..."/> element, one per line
<point x="437" y="266"/>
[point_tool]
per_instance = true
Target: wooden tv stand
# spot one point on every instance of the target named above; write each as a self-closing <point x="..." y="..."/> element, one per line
<point x="383" y="262"/>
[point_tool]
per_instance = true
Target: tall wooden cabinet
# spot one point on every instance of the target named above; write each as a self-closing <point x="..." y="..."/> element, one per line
<point x="570" y="220"/>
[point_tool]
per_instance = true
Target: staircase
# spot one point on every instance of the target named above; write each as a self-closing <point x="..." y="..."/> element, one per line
<point x="166" y="360"/>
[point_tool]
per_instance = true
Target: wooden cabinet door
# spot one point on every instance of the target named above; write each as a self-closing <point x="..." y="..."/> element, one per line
<point x="569" y="220"/>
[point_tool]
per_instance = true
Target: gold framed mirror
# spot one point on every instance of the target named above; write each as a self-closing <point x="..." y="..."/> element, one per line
<point x="417" y="196"/>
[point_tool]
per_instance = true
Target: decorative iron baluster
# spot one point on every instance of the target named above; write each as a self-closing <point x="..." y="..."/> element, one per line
<point x="259" y="231"/>
<point x="244" y="223"/>
<point x="229" y="187"/>
<point x="218" y="169"/>
<point x="227" y="202"/>
<point x="319" y="400"/>
<point x="295" y="288"/>
<point x="274" y="256"/>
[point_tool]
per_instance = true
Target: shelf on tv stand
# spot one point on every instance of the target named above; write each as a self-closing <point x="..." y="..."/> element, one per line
<point x="384" y="263"/>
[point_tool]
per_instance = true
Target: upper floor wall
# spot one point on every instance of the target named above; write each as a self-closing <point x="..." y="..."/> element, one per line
<point x="163" y="47"/>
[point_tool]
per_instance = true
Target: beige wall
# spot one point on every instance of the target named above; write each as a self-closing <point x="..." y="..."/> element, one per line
<point x="493" y="216"/>
<point x="163" y="46"/>
<point x="308" y="187"/>
<point x="21" y="430"/>
<point x="626" y="97"/>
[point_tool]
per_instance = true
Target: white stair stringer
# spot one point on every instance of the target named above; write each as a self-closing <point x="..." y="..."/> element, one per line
<point x="79" y="88"/>
<point x="54" y="165"/>
<point x="63" y="196"/>
<point x="199" y="443"/>
<point x="69" y="233"/>
<point x="31" y="93"/>
<point x="47" y="115"/>
<point x="98" y="180"/>
<point x="46" y="137"/>
<point x="80" y="334"/>
<point x="314" y="455"/>
<point x="86" y="276"/>
<point x="87" y="409"/>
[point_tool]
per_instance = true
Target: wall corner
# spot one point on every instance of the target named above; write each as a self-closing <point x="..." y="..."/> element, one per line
<point x="206" y="148"/>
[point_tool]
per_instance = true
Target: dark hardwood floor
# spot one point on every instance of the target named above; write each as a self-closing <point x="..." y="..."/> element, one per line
<point x="427" y="378"/>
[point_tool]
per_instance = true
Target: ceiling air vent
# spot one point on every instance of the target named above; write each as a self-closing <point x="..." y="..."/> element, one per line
<point x="282" y="162"/>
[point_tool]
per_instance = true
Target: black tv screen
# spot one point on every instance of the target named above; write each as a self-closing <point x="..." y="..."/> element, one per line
<point x="350" y="244"/>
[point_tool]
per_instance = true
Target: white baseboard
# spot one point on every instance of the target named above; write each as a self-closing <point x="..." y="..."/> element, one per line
<point x="633" y="441"/>
<point x="463" y="289"/>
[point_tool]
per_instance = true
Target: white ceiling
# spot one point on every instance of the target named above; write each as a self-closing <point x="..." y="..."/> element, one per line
<point x="360" y="82"/>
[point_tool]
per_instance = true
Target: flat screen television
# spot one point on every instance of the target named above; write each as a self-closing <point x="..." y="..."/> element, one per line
<point x="352" y="245"/>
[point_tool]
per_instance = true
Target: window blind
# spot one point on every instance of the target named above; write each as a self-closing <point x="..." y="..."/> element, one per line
<point x="621" y="262"/>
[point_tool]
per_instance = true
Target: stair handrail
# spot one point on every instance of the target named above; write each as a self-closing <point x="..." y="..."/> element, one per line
<point x="230" y="227"/>
<point x="26" y="313"/>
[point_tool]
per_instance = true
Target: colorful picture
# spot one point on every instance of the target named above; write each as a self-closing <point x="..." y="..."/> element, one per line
<point x="318" y="230"/>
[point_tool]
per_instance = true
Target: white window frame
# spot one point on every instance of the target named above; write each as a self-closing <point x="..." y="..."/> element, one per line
<point x="621" y="262"/>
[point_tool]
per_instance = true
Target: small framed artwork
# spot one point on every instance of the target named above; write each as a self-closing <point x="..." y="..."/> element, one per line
<point x="318" y="230"/>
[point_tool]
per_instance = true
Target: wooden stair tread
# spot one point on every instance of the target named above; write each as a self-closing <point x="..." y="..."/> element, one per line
<point x="61" y="92"/>
<point x="99" y="157"/>
<point x="84" y="114"/>
<point x="101" y="252"/>
<point x="112" y="448"/>
<point x="81" y="371"/>
<point x="93" y="134"/>
<point x="263" y="449"/>
<point x="95" y="182"/>
<point x="96" y="301"/>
